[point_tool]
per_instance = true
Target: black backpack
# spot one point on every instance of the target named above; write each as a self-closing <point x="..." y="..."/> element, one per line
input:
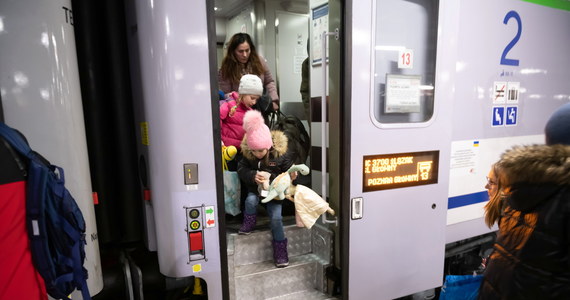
<point x="299" y="140"/>
<point x="264" y="104"/>
<point x="54" y="222"/>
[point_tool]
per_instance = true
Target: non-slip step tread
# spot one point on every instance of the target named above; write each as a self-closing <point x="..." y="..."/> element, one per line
<point x="262" y="230"/>
<point x="305" y="295"/>
<point x="269" y="266"/>
<point x="263" y="280"/>
<point x="256" y="247"/>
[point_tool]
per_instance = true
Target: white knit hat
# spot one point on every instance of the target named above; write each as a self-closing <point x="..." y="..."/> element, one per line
<point x="250" y="85"/>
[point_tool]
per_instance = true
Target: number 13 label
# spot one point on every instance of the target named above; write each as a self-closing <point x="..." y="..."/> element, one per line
<point x="406" y="59"/>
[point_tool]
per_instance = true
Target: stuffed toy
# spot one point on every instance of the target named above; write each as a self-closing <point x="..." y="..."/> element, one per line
<point x="228" y="153"/>
<point x="282" y="182"/>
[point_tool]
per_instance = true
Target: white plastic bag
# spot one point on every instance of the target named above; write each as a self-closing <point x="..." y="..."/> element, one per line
<point x="232" y="192"/>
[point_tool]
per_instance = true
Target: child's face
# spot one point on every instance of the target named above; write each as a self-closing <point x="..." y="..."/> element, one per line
<point x="259" y="153"/>
<point x="250" y="100"/>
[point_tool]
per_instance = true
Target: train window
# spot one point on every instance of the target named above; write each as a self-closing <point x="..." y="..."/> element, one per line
<point x="405" y="35"/>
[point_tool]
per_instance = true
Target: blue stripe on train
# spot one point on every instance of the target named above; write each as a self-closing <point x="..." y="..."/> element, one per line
<point x="464" y="200"/>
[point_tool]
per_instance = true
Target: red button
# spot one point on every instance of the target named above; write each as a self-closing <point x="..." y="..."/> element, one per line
<point x="146" y="195"/>
<point x="196" y="241"/>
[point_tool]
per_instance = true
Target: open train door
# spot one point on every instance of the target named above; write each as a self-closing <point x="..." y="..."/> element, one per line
<point x="395" y="131"/>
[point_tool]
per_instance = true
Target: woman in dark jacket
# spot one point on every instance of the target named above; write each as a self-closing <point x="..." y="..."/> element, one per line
<point x="531" y="255"/>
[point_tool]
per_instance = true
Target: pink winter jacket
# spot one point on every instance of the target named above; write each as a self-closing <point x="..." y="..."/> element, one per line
<point x="232" y="127"/>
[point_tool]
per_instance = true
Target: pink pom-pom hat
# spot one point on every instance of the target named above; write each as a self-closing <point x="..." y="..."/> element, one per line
<point x="257" y="134"/>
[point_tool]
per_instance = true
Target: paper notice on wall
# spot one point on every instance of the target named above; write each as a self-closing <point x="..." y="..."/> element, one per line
<point x="402" y="93"/>
<point x="464" y="157"/>
<point x="465" y="175"/>
<point x="320" y="25"/>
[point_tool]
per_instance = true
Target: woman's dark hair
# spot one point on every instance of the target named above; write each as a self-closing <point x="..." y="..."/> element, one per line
<point x="231" y="68"/>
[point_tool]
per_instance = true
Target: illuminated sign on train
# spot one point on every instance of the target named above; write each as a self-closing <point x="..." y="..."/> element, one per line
<point x="398" y="170"/>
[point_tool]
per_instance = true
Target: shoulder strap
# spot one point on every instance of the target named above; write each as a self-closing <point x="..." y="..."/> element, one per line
<point x="16" y="140"/>
<point x="17" y="159"/>
<point x="274" y="118"/>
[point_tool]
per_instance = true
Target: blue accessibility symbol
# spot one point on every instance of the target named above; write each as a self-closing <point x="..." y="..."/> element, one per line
<point x="498" y="116"/>
<point x="511" y="116"/>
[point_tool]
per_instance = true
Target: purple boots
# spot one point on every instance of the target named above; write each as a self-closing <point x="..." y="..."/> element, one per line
<point x="248" y="224"/>
<point x="280" y="257"/>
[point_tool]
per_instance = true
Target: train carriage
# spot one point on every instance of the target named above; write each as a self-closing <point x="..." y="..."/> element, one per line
<point x="410" y="104"/>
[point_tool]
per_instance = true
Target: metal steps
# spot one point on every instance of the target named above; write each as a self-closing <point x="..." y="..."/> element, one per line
<point x="305" y="295"/>
<point x="254" y="276"/>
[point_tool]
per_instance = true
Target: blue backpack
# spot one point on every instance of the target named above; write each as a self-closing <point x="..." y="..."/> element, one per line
<point x="55" y="225"/>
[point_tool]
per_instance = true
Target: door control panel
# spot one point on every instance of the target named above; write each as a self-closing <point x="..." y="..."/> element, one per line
<point x="195" y="230"/>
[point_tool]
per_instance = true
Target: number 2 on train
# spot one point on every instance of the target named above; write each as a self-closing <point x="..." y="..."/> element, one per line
<point x="504" y="59"/>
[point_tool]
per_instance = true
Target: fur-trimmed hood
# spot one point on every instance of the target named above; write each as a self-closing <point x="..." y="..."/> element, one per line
<point x="537" y="164"/>
<point x="531" y="255"/>
<point x="535" y="173"/>
<point x="279" y="145"/>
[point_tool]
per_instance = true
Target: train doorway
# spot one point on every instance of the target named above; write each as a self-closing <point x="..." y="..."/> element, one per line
<point x="290" y="43"/>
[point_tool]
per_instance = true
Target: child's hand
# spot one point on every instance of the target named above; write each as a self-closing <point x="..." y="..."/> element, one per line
<point x="293" y="175"/>
<point x="259" y="178"/>
<point x="232" y="95"/>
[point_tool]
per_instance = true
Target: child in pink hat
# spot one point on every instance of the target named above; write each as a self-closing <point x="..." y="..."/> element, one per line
<point x="263" y="150"/>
